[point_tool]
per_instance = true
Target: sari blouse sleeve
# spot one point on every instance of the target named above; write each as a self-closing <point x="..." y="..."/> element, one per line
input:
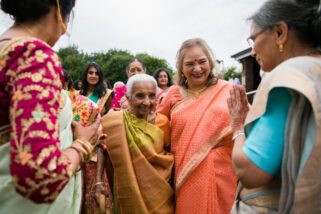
<point x="38" y="168"/>
<point x="265" y="143"/>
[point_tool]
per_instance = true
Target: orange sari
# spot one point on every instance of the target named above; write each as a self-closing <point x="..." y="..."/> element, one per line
<point x="201" y="143"/>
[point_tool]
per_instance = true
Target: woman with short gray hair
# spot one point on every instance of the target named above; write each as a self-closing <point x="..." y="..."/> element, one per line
<point x="137" y="139"/>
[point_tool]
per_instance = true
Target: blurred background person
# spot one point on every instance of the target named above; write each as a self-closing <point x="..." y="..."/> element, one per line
<point x="164" y="81"/>
<point x="135" y="66"/>
<point x="234" y="80"/>
<point x="277" y="143"/>
<point x="118" y="84"/>
<point x="107" y="84"/>
<point x="77" y="85"/>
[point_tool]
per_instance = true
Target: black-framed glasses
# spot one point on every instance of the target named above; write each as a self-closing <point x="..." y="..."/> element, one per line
<point x="252" y="38"/>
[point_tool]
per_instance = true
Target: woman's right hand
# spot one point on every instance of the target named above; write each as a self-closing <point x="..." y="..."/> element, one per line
<point x="87" y="133"/>
<point x="238" y="107"/>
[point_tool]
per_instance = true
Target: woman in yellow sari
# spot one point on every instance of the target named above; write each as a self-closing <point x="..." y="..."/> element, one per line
<point x="137" y="139"/>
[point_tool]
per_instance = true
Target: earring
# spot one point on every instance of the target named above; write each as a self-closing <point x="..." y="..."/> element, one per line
<point x="62" y="24"/>
<point x="281" y="48"/>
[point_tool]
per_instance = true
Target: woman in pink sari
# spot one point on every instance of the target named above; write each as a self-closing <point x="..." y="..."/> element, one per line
<point x="38" y="157"/>
<point x="200" y="133"/>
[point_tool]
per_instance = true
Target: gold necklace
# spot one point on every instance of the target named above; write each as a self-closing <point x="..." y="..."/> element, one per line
<point x="198" y="92"/>
<point x="27" y="29"/>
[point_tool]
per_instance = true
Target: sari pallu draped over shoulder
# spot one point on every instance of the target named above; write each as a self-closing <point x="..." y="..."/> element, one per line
<point x="142" y="168"/>
<point x="201" y="144"/>
<point x="301" y="182"/>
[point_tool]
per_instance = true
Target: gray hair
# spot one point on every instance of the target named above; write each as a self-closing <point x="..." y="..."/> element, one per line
<point x="303" y="18"/>
<point x="118" y="83"/>
<point x="139" y="78"/>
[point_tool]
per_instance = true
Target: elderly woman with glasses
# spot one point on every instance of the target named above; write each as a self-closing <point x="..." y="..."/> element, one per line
<point x="137" y="139"/>
<point x="277" y="142"/>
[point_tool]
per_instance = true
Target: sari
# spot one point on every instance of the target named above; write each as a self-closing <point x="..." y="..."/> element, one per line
<point x="201" y="141"/>
<point x="32" y="166"/>
<point x="301" y="165"/>
<point x="68" y="200"/>
<point x="142" y="168"/>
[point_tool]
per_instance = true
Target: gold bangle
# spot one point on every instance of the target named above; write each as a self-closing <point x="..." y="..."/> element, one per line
<point x="78" y="152"/>
<point x="87" y="147"/>
<point x="86" y="154"/>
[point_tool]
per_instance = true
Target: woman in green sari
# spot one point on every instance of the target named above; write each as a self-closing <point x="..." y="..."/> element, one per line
<point x="137" y="139"/>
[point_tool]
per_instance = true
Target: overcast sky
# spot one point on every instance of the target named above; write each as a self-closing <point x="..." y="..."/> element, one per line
<point x="158" y="27"/>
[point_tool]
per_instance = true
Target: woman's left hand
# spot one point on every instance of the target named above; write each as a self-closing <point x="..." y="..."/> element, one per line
<point x="238" y="107"/>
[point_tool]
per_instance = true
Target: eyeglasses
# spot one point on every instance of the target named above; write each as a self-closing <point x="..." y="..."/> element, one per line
<point x="252" y="38"/>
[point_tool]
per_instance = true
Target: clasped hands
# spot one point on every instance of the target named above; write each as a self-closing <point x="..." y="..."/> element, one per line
<point x="238" y="107"/>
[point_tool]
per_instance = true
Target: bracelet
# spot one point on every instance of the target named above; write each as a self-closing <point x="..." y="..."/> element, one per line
<point x="87" y="148"/>
<point x="237" y="135"/>
<point x="98" y="183"/>
<point x="80" y="153"/>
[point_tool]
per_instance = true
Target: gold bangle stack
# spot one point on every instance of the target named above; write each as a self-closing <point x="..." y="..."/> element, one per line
<point x="84" y="149"/>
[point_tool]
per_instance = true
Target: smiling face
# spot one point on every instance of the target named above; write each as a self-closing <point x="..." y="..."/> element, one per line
<point x="196" y="67"/>
<point x="143" y="99"/>
<point x="162" y="79"/>
<point x="265" y="49"/>
<point x="92" y="76"/>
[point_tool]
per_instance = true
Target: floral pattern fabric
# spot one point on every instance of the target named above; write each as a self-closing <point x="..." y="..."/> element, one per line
<point x="31" y="80"/>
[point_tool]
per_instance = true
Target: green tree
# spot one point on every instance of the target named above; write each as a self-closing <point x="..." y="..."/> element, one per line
<point x="73" y="60"/>
<point x="113" y="62"/>
<point x="153" y="63"/>
<point x="116" y="68"/>
<point x="232" y="70"/>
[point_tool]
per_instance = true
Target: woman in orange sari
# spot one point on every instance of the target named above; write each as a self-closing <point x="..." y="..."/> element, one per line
<point x="200" y="133"/>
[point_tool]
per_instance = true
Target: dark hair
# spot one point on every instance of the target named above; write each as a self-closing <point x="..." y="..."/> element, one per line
<point x="68" y="79"/>
<point x="156" y="75"/>
<point x="133" y="60"/>
<point x="75" y="85"/>
<point x="99" y="88"/>
<point x="304" y="18"/>
<point x="24" y="11"/>
<point x="108" y="83"/>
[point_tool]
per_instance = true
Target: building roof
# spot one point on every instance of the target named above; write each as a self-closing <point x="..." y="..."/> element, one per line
<point x="242" y="54"/>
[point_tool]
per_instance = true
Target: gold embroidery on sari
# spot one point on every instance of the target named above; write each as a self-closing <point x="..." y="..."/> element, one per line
<point x="23" y="152"/>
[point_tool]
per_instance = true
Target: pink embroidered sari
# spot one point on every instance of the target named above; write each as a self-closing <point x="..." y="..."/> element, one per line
<point x="30" y="89"/>
<point x="201" y="143"/>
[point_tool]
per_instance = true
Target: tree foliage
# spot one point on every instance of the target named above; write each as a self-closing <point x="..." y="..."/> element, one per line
<point x="113" y="62"/>
<point x="232" y="70"/>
